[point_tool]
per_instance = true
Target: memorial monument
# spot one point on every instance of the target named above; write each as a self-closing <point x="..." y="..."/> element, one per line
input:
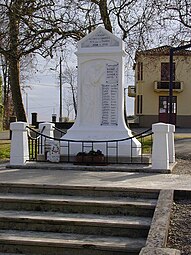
<point x="100" y="114"/>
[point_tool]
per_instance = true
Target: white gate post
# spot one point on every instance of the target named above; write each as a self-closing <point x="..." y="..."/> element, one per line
<point x="48" y="130"/>
<point x="160" y="151"/>
<point x="19" y="143"/>
<point x="171" y="143"/>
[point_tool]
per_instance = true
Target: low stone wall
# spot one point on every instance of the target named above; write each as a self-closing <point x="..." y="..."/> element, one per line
<point x="157" y="237"/>
<point x="159" y="251"/>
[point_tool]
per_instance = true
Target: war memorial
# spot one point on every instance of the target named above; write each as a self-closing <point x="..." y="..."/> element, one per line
<point x="101" y="59"/>
<point x="59" y="208"/>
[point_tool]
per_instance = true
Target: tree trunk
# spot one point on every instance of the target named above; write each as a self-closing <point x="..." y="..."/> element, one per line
<point x="14" y="61"/>
<point x="105" y="15"/>
<point x="16" y="89"/>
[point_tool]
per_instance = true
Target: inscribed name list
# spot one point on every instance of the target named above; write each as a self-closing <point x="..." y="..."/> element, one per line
<point x="110" y="96"/>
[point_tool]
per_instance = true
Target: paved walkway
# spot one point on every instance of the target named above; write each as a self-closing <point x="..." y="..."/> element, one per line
<point x="95" y="177"/>
<point x="120" y="176"/>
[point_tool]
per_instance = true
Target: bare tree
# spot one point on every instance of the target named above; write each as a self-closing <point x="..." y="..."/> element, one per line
<point x="104" y="13"/>
<point x="135" y="21"/>
<point x="68" y="106"/>
<point x="8" y="109"/>
<point x="175" y="18"/>
<point x="41" y="26"/>
<point x="70" y="78"/>
<point x="145" y="24"/>
<point x="5" y="79"/>
<point x="31" y="26"/>
<point x="1" y="105"/>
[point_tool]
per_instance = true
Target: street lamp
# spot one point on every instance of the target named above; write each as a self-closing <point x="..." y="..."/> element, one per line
<point x="171" y="86"/>
<point x="60" y="76"/>
<point x="172" y="49"/>
<point x="24" y="90"/>
<point x="60" y="86"/>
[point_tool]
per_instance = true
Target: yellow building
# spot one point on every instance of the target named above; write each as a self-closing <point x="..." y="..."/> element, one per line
<point x="151" y="90"/>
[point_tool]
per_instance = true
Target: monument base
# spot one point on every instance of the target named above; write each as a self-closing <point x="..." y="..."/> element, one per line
<point x="104" y="139"/>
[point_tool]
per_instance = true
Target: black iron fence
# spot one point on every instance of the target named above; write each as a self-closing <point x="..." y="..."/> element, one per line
<point x="59" y="132"/>
<point x="92" y="152"/>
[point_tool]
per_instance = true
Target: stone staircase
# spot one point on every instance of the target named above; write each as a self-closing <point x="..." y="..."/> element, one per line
<point x="74" y="220"/>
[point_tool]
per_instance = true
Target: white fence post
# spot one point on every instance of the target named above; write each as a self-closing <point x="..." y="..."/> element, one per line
<point x="171" y="143"/>
<point x="19" y="143"/>
<point x="48" y="130"/>
<point x="52" y="147"/>
<point x="160" y="152"/>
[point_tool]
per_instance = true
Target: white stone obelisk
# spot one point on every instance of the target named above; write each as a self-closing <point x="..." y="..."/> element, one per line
<point x="100" y="114"/>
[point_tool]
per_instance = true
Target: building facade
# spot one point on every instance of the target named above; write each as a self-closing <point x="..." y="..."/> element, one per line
<point x="151" y="90"/>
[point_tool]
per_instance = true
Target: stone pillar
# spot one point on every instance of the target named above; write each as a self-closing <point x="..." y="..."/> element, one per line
<point x="171" y="143"/>
<point x="160" y="152"/>
<point x="48" y="130"/>
<point x="53" y="118"/>
<point x="19" y="143"/>
<point x="34" y="119"/>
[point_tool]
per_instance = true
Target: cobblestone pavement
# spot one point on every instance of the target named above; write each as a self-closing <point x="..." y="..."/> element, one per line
<point x="183" y="156"/>
<point x="183" y="166"/>
<point x="180" y="225"/>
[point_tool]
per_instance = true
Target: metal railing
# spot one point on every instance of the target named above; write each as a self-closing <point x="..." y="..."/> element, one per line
<point x="164" y="86"/>
<point x="34" y="139"/>
<point x="89" y="151"/>
<point x="59" y="131"/>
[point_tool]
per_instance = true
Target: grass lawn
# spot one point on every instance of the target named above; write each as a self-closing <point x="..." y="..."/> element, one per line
<point x="182" y="136"/>
<point x="147" y="143"/>
<point x="5" y="146"/>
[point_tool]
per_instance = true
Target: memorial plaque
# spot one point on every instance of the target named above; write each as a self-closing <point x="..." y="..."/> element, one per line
<point x="54" y="154"/>
<point x="100" y="39"/>
<point x="109" y="104"/>
<point x="110" y="96"/>
<point x="112" y="71"/>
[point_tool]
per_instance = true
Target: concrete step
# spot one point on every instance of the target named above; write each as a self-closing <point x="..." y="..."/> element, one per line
<point x="74" y="220"/>
<point x="70" y="190"/>
<point x="113" y="225"/>
<point x="67" y="244"/>
<point x="3" y="253"/>
<point x="78" y="204"/>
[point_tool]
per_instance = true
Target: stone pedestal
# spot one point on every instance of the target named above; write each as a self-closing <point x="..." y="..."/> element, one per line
<point x="46" y="129"/>
<point x="160" y="152"/>
<point x="163" y="152"/>
<point x="19" y="143"/>
<point x="101" y="94"/>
